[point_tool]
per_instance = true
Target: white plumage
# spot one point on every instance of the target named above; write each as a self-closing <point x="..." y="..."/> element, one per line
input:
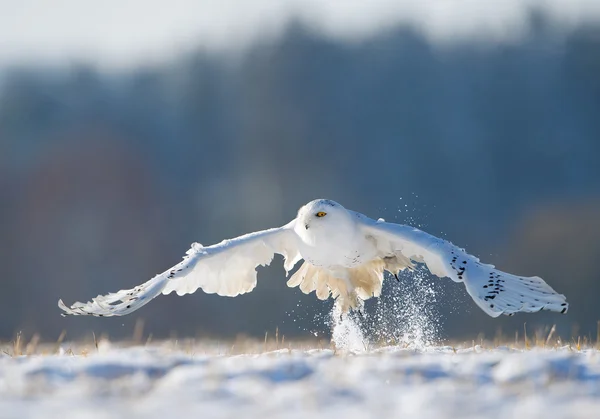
<point x="345" y="255"/>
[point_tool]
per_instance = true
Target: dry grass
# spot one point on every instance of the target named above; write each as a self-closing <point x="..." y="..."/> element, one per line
<point x="545" y="338"/>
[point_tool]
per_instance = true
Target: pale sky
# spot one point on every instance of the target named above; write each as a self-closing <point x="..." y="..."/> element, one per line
<point x="122" y="33"/>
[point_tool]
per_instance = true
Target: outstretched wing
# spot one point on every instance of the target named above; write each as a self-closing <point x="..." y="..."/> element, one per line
<point x="496" y="292"/>
<point x="227" y="268"/>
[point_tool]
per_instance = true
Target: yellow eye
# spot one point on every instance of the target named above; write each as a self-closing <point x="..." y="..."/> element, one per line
<point x="321" y="214"/>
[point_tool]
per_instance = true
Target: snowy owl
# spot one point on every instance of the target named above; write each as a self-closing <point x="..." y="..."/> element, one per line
<point x="345" y="255"/>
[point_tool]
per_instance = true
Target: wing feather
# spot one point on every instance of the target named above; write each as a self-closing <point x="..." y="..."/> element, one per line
<point x="227" y="268"/>
<point x="494" y="291"/>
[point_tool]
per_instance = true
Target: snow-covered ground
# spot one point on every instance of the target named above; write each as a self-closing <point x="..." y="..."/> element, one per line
<point x="415" y="377"/>
<point x="204" y="382"/>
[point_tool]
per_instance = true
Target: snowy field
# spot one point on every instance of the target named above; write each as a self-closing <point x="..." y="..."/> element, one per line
<point x="416" y="377"/>
<point x="162" y="381"/>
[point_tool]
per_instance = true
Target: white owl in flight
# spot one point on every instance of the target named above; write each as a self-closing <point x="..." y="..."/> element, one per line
<point x="345" y="255"/>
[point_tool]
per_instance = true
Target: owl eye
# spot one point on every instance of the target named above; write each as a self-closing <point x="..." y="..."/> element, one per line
<point x="321" y="214"/>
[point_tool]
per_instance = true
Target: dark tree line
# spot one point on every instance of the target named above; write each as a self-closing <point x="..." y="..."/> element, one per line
<point x="105" y="178"/>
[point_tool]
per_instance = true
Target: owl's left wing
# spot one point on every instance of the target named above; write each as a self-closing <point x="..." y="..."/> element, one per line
<point x="494" y="291"/>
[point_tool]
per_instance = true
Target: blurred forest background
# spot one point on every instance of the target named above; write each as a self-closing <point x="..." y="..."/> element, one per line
<point x="107" y="177"/>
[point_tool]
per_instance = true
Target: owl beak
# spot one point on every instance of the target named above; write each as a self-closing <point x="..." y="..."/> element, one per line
<point x="306" y="226"/>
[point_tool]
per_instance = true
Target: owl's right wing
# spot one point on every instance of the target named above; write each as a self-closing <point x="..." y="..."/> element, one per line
<point x="227" y="268"/>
